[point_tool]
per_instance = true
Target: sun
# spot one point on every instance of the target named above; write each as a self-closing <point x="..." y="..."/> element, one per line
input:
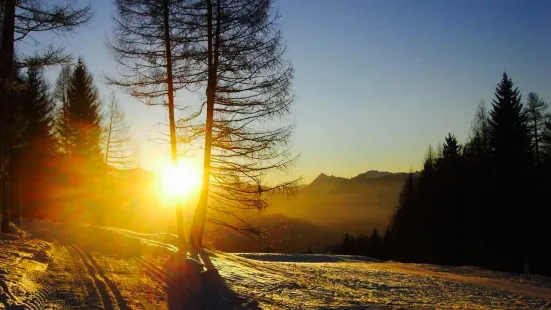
<point x="178" y="181"/>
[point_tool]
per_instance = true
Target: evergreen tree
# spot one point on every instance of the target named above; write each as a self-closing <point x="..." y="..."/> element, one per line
<point x="509" y="136"/>
<point x="387" y="241"/>
<point x="32" y="161"/>
<point x="451" y="151"/>
<point x="451" y="217"/>
<point x="83" y="108"/>
<point x="400" y="245"/>
<point x="12" y="128"/>
<point x="510" y="146"/>
<point x="375" y="245"/>
<point x="38" y="110"/>
<point x="348" y="245"/>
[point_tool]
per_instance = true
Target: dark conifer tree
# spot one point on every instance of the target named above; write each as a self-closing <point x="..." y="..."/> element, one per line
<point x="375" y="245"/>
<point x="478" y="185"/>
<point x="387" y="241"/>
<point x="33" y="160"/>
<point x="510" y="146"/>
<point x="400" y="243"/>
<point x="451" y="217"/>
<point x="509" y="136"/>
<point x="38" y="110"/>
<point x="480" y="204"/>
<point x="84" y="115"/>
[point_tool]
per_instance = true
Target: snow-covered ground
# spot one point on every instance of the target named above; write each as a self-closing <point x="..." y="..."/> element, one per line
<point x="61" y="266"/>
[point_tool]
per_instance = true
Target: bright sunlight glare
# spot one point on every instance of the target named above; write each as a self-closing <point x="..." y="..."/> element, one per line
<point x="180" y="180"/>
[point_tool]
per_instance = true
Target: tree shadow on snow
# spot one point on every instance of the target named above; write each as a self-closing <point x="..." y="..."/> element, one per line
<point x="190" y="286"/>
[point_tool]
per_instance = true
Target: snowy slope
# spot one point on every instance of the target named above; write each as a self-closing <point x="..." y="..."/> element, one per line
<point x="85" y="267"/>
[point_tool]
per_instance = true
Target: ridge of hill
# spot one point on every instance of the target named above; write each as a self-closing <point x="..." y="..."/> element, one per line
<point x="355" y="205"/>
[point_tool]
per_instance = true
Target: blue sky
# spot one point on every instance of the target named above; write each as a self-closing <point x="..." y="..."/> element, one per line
<point x="376" y="81"/>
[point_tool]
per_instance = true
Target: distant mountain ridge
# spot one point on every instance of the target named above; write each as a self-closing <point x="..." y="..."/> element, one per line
<point x="330" y="181"/>
<point x="374" y="174"/>
<point x="354" y="205"/>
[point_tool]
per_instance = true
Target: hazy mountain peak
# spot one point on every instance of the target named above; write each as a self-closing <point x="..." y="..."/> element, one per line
<point x="327" y="179"/>
<point x="373" y="174"/>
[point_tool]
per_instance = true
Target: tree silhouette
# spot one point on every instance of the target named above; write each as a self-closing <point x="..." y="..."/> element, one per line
<point x="150" y="48"/>
<point x="248" y="97"/>
<point x="62" y="126"/>
<point x="32" y="161"/>
<point x="546" y="140"/>
<point x="117" y="141"/>
<point x="84" y="116"/>
<point x="509" y="134"/>
<point x="535" y="108"/>
<point x="19" y="20"/>
<point x="480" y="204"/>
<point x="375" y="245"/>
<point x="38" y="109"/>
<point x="510" y="145"/>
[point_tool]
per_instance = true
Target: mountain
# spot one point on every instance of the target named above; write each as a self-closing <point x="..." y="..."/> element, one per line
<point x="326" y="182"/>
<point x="355" y="205"/>
<point x="374" y="174"/>
<point x="324" y="178"/>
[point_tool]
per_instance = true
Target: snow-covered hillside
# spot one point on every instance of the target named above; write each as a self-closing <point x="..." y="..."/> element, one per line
<point x="75" y="266"/>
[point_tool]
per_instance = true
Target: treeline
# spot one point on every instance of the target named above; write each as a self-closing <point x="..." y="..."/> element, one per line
<point x="372" y="246"/>
<point x="62" y="142"/>
<point x="484" y="202"/>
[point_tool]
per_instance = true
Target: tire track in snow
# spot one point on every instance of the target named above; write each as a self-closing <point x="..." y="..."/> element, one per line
<point x="110" y="296"/>
<point x="121" y="303"/>
<point x="152" y="271"/>
<point x="93" y="296"/>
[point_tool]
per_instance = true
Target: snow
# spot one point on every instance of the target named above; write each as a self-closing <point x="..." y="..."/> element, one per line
<point x="61" y="266"/>
<point x="305" y="258"/>
<point x="21" y="262"/>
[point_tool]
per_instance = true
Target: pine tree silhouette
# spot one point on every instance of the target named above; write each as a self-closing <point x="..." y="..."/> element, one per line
<point x="510" y="146"/>
<point x="376" y="245"/>
<point x="84" y="115"/>
<point x="509" y="136"/>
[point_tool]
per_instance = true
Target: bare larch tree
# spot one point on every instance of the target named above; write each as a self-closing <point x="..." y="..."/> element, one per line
<point x="143" y="44"/>
<point x="118" y="151"/>
<point x="238" y="46"/>
<point x="535" y="111"/>
<point x="62" y="126"/>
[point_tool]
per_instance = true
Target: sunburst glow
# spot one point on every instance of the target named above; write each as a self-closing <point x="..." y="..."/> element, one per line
<point x="178" y="181"/>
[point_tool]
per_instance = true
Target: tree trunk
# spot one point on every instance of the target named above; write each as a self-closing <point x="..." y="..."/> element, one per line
<point x="66" y="129"/>
<point x="200" y="215"/>
<point x="20" y="211"/>
<point x="172" y="124"/>
<point x="5" y="121"/>
<point x="536" y="141"/>
<point x="6" y="211"/>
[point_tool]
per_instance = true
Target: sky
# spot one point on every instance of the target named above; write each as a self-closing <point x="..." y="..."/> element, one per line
<point x="376" y="81"/>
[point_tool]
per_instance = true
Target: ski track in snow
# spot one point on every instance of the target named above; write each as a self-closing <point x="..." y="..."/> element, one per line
<point x="80" y="266"/>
